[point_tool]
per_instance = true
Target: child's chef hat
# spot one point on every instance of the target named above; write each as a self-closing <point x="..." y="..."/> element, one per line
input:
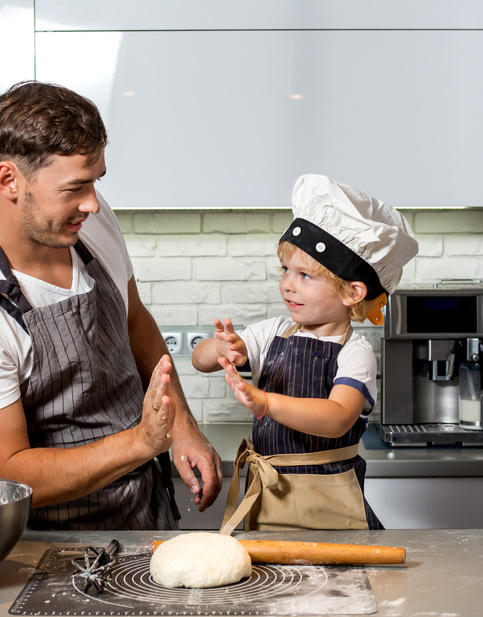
<point x="355" y="236"/>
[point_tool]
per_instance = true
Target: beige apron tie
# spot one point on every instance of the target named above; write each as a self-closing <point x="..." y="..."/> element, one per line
<point x="264" y="476"/>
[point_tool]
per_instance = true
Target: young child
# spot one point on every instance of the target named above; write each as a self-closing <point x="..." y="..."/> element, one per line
<point x="314" y="378"/>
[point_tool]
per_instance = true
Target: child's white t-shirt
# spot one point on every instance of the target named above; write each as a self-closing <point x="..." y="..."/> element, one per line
<point x="103" y="237"/>
<point x="356" y="362"/>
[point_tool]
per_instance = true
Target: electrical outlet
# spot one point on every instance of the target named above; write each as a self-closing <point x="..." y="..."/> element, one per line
<point x="193" y="338"/>
<point x="174" y="343"/>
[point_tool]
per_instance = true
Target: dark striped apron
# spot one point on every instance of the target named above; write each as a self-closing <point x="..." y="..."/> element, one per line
<point x="85" y="386"/>
<point x="302" y="367"/>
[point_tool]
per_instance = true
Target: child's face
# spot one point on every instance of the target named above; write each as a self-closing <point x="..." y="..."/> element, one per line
<point x="310" y="297"/>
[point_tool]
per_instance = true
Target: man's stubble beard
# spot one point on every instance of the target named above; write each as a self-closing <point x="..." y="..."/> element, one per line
<point x="37" y="230"/>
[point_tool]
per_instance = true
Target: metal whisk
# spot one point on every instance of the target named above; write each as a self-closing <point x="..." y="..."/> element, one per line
<point x="97" y="563"/>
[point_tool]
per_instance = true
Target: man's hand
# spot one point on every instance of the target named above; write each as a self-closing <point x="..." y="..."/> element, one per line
<point x="190" y="450"/>
<point x="159" y="409"/>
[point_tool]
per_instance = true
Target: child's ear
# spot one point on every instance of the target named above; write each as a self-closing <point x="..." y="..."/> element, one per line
<point x="358" y="291"/>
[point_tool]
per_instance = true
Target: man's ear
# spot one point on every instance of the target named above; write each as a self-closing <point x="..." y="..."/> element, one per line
<point x="9" y="180"/>
<point x="358" y="291"/>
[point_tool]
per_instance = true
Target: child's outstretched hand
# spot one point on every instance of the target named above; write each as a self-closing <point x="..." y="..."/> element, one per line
<point x="245" y="393"/>
<point x="228" y="344"/>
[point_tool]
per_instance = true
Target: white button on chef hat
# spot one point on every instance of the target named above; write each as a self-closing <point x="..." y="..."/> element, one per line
<point x="355" y="236"/>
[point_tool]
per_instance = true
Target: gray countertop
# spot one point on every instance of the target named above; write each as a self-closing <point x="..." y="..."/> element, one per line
<point x="400" y="462"/>
<point x="442" y="575"/>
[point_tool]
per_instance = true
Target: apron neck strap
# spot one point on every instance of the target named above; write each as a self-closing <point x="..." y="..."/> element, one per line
<point x="16" y="304"/>
<point x="291" y="331"/>
<point x="83" y="252"/>
<point x="296" y="327"/>
<point x="346" y="336"/>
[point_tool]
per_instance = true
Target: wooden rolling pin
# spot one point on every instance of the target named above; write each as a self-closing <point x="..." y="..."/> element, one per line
<point x="316" y="553"/>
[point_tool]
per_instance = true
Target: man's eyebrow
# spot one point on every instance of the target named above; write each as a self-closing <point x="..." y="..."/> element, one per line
<point x="86" y="180"/>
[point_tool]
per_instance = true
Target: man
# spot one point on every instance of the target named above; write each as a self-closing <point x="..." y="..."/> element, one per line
<point x="85" y="418"/>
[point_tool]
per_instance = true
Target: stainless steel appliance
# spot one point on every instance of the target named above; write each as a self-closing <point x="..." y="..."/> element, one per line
<point x="428" y="336"/>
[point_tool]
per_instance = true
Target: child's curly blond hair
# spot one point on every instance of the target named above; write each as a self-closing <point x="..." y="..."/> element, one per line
<point x="357" y="312"/>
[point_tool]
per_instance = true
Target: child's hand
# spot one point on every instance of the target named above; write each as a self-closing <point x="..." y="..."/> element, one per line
<point x="228" y="344"/>
<point x="245" y="393"/>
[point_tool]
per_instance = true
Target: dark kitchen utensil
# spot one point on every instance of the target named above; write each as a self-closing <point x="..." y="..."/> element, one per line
<point x="97" y="563"/>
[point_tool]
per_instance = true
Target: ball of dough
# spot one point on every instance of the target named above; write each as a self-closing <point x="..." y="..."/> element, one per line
<point x="200" y="559"/>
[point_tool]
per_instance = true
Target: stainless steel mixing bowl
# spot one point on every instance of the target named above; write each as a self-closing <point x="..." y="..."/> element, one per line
<point x="15" y="500"/>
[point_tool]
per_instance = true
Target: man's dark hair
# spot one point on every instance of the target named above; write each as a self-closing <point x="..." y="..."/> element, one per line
<point x="39" y="120"/>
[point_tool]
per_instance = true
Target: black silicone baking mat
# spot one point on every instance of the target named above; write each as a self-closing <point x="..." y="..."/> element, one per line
<point x="271" y="590"/>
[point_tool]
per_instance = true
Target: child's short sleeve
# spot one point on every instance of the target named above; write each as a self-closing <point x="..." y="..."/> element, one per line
<point x="357" y="367"/>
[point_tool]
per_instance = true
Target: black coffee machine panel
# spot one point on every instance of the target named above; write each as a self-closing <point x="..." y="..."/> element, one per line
<point x="431" y="374"/>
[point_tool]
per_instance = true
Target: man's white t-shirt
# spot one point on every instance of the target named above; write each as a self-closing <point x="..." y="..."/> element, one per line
<point x="356" y="362"/>
<point x="103" y="237"/>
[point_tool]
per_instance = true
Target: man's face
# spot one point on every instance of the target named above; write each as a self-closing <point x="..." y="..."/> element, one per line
<point x="58" y="200"/>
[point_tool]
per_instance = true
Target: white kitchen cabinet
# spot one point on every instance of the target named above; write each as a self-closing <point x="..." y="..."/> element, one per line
<point x="230" y="119"/>
<point x="427" y="503"/>
<point x="16" y="41"/>
<point x="256" y="14"/>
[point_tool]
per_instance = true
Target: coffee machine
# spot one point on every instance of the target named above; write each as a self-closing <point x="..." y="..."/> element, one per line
<point x="431" y="350"/>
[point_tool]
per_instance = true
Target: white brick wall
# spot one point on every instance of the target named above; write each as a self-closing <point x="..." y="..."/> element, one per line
<point x="193" y="266"/>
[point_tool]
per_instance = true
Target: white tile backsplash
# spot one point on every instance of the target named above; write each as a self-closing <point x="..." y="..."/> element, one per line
<point x="194" y="266"/>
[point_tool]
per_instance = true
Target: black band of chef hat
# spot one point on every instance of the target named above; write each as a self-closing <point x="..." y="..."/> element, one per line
<point x="333" y="255"/>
